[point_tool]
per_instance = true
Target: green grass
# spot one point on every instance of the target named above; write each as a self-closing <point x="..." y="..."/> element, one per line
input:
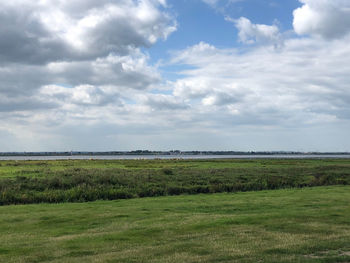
<point x="23" y="182"/>
<point x="42" y="168"/>
<point x="291" y="225"/>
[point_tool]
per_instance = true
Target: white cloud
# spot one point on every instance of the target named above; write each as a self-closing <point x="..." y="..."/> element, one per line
<point x="161" y="102"/>
<point x="302" y="87"/>
<point x="304" y="83"/>
<point x="325" y="18"/>
<point x="44" y="31"/>
<point x="250" y="33"/>
<point x="77" y="47"/>
<point x="220" y="5"/>
<point x="69" y="74"/>
<point x="211" y="2"/>
<point x="75" y="64"/>
<point x="50" y="86"/>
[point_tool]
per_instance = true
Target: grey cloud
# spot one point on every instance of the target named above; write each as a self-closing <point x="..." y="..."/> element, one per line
<point x="120" y="74"/>
<point x="304" y="83"/>
<point x="24" y="39"/>
<point x="24" y="104"/>
<point x="128" y="71"/>
<point x="66" y="95"/>
<point x="35" y="50"/>
<point x="165" y="103"/>
<point x="223" y="97"/>
<point x="8" y="141"/>
<point x="22" y="80"/>
<point x="36" y="33"/>
<point x="80" y="96"/>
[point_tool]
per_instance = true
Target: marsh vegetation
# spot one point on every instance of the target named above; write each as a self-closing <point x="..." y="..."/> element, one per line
<point x="25" y="182"/>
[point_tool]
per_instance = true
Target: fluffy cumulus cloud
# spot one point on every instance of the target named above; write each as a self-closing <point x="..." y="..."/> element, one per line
<point x="75" y="43"/>
<point x="250" y="33"/>
<point x="75" y="70"/>
<point x="66" y="63"/>
<point x="304" y="84"/>
<point x="325" y="18"/>
<point x="38" y="32"/>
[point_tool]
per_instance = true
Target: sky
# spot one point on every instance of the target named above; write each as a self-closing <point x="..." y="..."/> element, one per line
<point x="245" y="75"/>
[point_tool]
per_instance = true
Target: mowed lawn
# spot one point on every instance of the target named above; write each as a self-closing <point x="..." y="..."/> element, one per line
<point x="294" y="225"/>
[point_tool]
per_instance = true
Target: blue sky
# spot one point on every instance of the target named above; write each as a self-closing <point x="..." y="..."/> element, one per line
<point x="178" y="74"/>
<point x="198" y="21"/>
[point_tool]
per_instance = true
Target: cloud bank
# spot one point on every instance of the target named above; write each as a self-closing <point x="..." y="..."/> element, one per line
<point x="77" y="73"/>
<point x="70" y="44"/>
<point x="38" y="32"/>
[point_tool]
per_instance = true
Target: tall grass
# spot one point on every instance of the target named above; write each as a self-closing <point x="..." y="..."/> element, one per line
<point x="89" y="184"/>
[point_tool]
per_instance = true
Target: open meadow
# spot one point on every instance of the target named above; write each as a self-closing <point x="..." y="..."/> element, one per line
<point x="301" y="212"/>
<point x="24" y="182"/>
<point x="294" y="225"/>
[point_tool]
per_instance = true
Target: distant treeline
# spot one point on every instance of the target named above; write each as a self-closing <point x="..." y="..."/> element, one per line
<point x="81" y="184"/>
<point x="172" y="152"/>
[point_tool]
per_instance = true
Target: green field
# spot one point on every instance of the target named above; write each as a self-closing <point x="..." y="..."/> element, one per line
<point x="216" y="216"/>
<point x="25" y="182"/>
<point x="290" y="225"/>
